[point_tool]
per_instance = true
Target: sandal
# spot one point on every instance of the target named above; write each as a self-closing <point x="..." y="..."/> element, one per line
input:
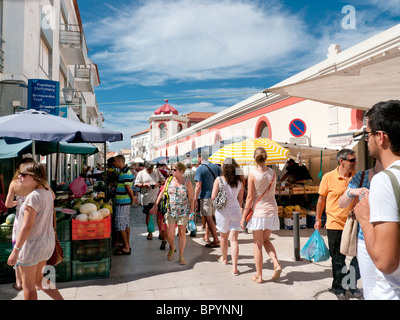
<point x="121" y="252"/>
<point x="213" y="245"/>
<point x="182" y="261"/>
<point x="17" y="287"/>
<point x="150" y="236"/>
<point x="222" y="261"/>
<point x="277" y="273"/>
<point x="170" y="254"/>
<point x="257" y="279"/>
<point x="235" y="274"/>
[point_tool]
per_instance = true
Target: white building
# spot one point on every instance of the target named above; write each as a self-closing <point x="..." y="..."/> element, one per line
<point x="44" y="39"/>
<point x="329" y="118"/>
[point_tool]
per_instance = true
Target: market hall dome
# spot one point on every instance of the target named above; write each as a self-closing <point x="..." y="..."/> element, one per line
<point x="166" y="109"/>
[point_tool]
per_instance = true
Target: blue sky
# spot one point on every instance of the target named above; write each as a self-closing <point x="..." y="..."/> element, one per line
<point x="151" y="50"/>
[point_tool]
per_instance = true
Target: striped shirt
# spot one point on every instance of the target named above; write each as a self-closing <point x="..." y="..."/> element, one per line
<point x="125" y="178"/>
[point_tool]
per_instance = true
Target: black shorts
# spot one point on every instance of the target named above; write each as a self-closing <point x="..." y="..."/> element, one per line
<point x="146" y="209"/>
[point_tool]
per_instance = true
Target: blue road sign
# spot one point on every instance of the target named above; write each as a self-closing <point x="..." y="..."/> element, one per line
<point x="297" y="127"/>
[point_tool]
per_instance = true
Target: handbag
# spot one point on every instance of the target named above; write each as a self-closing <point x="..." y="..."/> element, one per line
<point x="220" y="200"/>
<point x="58" y="253"/>
<point x="251" y="211"/>
<point x="164" y="203"/>
<point x="348" y="243"/>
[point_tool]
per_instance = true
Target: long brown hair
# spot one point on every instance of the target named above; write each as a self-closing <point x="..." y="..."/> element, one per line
<point x="230" y="172"/>
<point x="36" y="170"/>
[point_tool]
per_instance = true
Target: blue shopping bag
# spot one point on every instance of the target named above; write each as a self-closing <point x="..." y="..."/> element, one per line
<point x="191" y="225"/>
<point x="315" y="248"/>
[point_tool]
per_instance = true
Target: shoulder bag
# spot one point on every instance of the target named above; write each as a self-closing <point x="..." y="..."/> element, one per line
<point x="348" y="243"/>
<point x="58" y="254"/>
<point x="164" y="203"/>
<point x="220" y="200"/>
<point x="251" y="211"/>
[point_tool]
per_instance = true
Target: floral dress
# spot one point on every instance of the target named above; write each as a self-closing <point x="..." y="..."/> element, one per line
<point x="178" y="200"/>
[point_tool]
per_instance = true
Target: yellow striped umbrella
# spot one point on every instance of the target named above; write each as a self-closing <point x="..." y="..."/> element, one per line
<point x="243" y="152"/>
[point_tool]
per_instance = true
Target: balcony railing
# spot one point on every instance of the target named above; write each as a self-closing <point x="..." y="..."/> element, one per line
<point x="83" y="78"/>
<point x="73" y="44"/>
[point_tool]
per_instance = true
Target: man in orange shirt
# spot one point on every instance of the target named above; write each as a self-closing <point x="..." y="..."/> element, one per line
<point x="333" y="185"/>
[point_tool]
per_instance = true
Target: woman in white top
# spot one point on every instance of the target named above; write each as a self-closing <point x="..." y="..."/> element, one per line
<point x="265" y="213"/>
<point x="228" y="218"/>
<point x="35" y="234"/>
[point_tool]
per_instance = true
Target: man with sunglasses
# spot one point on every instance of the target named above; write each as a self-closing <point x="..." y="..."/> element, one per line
<point x="378" y="211"/>
<point x="332" y="186"/>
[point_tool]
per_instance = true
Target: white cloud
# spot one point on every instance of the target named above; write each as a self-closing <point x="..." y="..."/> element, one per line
<point x="185" y="40"/>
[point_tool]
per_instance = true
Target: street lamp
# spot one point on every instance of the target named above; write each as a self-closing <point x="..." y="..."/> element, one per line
<point x="68" y="94"/>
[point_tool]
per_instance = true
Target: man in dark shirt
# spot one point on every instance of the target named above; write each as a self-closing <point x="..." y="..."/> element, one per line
<point x="296" y="172"/>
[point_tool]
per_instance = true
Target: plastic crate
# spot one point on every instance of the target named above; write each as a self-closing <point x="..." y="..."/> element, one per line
<point x="5" y="251"/>
<point x="91" y="249"/>
<point x="63" y="271"/>
<point x="66" y="246"/>
<point x="6" y="233"/>
<point x="64" y="230"/>
<point x="87" y="270"/>
<point x="7" y="273"/>
<point x="90" y="230"/>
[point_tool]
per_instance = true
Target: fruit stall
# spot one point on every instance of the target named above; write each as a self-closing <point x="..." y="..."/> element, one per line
<point x="297" y="198"/>
<point x="84" y="232"/>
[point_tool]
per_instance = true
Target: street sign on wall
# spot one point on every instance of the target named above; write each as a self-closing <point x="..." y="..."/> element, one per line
<point x="44" y="95"/>
<point x="297" y="127"/>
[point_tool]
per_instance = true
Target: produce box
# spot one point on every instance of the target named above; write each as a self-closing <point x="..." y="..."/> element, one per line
<point x="288" y="221"/>
<point x="7" y="273"/>
<point x="66" y="246"/>
<point x="311" y="189"/>
<point x="91" y="249"/>
<point x="87" y="270"/>
<point x="297" y="190"/>
<point x="64" y="230"/>
<point x="283" y="190"/>
<point x="90" y="230"/>
<point x="63" y="271"/>
<point x="6" y="232"/>
<point x="5" y="251"/>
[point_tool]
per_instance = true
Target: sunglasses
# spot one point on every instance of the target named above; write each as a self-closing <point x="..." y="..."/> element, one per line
<point x="350" y="160"/>
<point x="367" y="134"/>
<point x="174" y="169"/>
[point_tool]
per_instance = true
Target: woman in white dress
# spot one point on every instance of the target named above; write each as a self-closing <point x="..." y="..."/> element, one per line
<point x="265" y="213"/>
<point x="228" y="218"/>
<point x="35" y="237"/>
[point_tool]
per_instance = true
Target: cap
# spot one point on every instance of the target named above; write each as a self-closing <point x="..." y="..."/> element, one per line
<point x="195" y="161"/>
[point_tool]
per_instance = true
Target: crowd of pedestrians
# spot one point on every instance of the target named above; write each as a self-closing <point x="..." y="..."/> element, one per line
<point x="250" y="203"/>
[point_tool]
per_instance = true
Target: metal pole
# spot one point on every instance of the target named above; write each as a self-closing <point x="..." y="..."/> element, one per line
<point x="296" y="235"/>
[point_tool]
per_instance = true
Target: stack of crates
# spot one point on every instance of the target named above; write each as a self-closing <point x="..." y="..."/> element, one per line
<point x="63" y="270"/>
<point x="7" y="273"/>
<point x="91" y="249"/>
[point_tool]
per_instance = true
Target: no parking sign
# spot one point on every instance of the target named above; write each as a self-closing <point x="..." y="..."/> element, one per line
<point x="297" y="127"/>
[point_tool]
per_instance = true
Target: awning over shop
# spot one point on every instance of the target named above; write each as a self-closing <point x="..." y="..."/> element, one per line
<point x="359" y="86"/>
<point x="43" y="148"/>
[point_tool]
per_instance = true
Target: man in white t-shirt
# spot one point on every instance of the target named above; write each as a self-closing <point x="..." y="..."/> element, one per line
<point x="378" y="212"/>
<point x="149" y="182"/>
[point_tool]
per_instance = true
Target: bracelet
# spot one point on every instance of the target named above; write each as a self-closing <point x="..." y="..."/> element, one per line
<point x="348" y="194"/>
<point x="15" y="247"/>
<point x="317" y="220"/>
